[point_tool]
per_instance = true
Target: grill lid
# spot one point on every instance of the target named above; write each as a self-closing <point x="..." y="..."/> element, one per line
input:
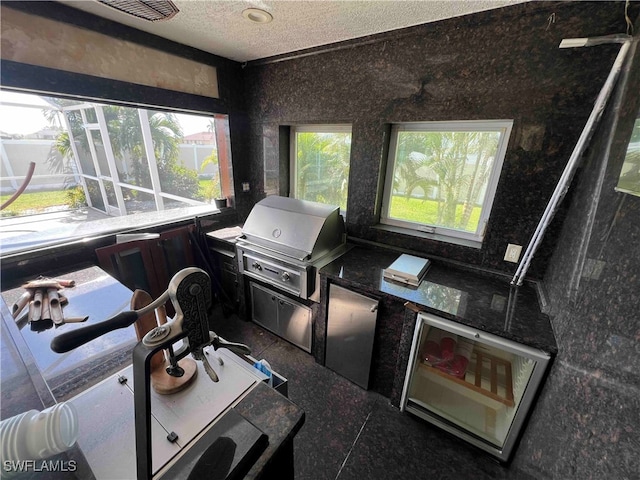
<point x="296" y="228"/>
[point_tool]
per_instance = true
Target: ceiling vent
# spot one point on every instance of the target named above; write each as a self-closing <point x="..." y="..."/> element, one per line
<point x="151" y="10"/>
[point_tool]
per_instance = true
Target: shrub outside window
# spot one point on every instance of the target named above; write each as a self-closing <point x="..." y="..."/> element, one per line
<point x="320" y="163"/>
<point x="442" y="177"/>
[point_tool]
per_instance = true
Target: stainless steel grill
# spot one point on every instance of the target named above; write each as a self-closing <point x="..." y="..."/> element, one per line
<point x="286" y="241"/>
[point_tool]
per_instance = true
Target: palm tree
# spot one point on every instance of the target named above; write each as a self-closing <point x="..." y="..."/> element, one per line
<point x="435" y="159"/>
<point x="338" y="153"/>
<point x="485" y="146"/>
<point x="322" y="167"/>
<point x="125" y="137"/>
<point x="61" y="152"/>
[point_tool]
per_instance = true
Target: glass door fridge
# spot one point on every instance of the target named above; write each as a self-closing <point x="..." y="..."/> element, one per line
<point x="472" y="384"/>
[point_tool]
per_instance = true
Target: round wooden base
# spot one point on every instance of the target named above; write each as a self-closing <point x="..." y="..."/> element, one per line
<point x="165" y="384"/>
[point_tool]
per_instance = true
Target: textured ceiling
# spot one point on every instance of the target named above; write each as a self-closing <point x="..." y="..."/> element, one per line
<point x="217" y="26"/>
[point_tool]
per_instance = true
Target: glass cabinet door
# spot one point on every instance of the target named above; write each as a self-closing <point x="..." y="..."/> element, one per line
<point x="471" y="383"/>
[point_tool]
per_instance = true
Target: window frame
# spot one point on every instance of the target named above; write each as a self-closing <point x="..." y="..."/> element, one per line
<point x="435" y="232"/>
<point x="293" y="155"/>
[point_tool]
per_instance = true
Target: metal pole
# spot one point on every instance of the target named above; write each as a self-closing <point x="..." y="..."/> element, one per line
<point x="563" y="184"/>
<point x="152" y="162"/>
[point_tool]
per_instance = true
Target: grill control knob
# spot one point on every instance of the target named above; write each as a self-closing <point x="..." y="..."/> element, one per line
<point x="285" y="277"/>
<point x="256" y="266"/>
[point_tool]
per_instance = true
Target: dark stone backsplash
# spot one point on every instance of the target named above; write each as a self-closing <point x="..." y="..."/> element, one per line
<point x="502" y="64"/>
<point x="506" y="64"/>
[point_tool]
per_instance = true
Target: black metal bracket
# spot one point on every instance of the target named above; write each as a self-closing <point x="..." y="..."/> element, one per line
<point x="142" y="404"/>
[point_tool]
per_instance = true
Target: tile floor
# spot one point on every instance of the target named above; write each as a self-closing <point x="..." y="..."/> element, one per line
<point x="350" y="433"/>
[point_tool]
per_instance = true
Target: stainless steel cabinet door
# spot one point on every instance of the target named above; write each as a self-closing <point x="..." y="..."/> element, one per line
<point x="264" y="305"/>
<point x="286" y="318"/>
<point x="294" y="323"/>
<point x="351" y="326"/>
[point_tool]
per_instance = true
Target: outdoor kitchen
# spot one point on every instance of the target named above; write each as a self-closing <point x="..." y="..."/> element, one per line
<point x="401" y="253"/>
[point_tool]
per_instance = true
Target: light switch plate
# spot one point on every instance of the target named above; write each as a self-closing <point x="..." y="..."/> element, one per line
<point x="513" y="253"/>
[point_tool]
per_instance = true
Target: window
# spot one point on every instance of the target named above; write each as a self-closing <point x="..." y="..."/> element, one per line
<point x="97" y="162"/>
<point x="320" y="163"/>
<point x="629" y="181"/>
<point x="442" y="177"/>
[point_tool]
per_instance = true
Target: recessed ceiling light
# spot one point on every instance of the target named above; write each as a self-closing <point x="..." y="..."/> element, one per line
<point x="256" y="15"/>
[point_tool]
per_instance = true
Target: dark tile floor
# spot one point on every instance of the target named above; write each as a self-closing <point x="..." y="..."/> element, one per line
<point x="350" y="433"/>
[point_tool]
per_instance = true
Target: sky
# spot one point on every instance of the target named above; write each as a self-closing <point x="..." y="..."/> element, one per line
<point x="25" y="120"/>
<point x="192" y="123"/>
<point x="21" y="120"/>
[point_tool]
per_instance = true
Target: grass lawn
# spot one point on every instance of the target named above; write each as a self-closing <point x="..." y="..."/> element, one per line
<point x="38" y="202"/>
<point x="34" y="202"/>
<point x="426" y="211"/>
<point x="411" y="209"/>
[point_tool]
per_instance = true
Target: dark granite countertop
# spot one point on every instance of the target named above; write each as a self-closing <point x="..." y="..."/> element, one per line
<point x="228" y="234"/>
<point x="275" y="415"/>
<point x="466" y="296"/>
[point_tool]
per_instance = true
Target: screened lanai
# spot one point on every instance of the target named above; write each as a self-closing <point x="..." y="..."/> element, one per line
<point x="110" y="160"/>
